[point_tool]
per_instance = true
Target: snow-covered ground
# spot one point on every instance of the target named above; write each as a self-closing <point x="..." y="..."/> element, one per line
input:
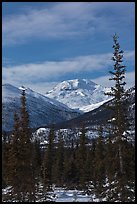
<point x="60" y="195"/>
<point x="71" y="196"/>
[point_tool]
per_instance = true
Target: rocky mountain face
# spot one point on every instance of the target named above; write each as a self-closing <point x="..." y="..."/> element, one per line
<point x="42" y="110"/>
<point x="80" y="94"/>
<point x="91" y="121"/>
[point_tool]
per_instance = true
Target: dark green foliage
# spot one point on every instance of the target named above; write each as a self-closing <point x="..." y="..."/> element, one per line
<point x="119" y="107"/>
<point x="71" y="171"/>
<point x="14" y="169"/>
<point x="47" y="166"/>
<point x="20" y="164"/>
<point x="37" y="158"/>
<point x="123" y="183"/>
<point x="82" y="159"/>
<point x="118" y="153"/>
<point x="59" y="161"/>
<point x="110" y="158"/>
<point x="25" y="156"/>
<point x="92" y="159"/>
<point x="5" y="155"/>
<point x="99" y="162"/>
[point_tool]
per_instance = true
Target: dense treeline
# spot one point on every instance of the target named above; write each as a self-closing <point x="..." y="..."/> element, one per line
<point x="92" y="168"/>
<point x="104" y="167"/>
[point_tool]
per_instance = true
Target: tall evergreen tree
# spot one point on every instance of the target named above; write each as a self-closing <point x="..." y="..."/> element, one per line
<point x="71" y="170"/>
<point x="91" y="166"/>
<point x="59" y="161"/>
<point x="26" y="151"/>
<point x="21" y="165"/>
<point x="111" y="166"/>
<point x="120" y="122"/>
<point x="37" y="155"/>
<point x="82" y="159"/>
<point x="5" y="155"/>
<point x="47" y="165"/>
<point x="14" y="176"/>
<point x="99" y="159"/>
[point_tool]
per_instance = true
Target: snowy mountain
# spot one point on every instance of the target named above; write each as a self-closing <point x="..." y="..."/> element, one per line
<point x="42" y="110"/>
<point x="81" y="94"/>
<point x="101" y="115"/>
<point x="91" y="120"/>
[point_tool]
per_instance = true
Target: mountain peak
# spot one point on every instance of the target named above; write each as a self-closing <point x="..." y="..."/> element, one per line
<point x="75" y="84"/>
<point x="78" y="93"/>
<point x="72" y="85"/>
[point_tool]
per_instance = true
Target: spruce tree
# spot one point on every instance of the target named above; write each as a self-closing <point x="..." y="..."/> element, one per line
<point x="71" y="171"/>
<point x="26" y="152"/>
<point x="91" y="166"/>
<point x="120" y="123"/>
<point x="14" y="177"/>
<point x="82" y="159"/>
<point x="5" y="155"/>
<point x="59" y="161"/>
<point x="111" y="167"/>
<point x="118" y="92"/>
<point x="99" y="171"/>
<point x="47" y="164"/>
<point x="21" y="164"/>
<point x="37" y="157"/>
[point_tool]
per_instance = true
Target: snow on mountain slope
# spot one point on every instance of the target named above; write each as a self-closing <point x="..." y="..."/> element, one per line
<point x="79" y="93"/>
<point x="42" y="110"/>
<point x="93" y="106"/>
<point x="100" y="116"/>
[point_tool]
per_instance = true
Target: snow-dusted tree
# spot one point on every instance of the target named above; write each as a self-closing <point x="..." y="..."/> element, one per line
<point x="47" y="165"/>
<point x="91" y="165"/>
<point x="81" y="160"/>
<point x="58" y="169"/>
<point x="99" y="168"/>
<point x="120" y="122"/>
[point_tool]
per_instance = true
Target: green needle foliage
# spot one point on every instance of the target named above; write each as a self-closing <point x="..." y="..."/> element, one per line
<point x="20" y="160"/>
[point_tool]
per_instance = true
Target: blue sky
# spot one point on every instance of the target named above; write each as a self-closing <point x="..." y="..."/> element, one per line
<point x="45" y="43"/>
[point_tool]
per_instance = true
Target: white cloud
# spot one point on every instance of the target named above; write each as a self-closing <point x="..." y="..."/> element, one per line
<point x="68" y="19"/>
<point x="104" y="80"/>
<point x="42" y="87"/>
<point x="61" y="20"/>
<point x="36" y="74"/>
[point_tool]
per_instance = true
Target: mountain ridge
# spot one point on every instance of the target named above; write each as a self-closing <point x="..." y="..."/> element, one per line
<point x="79" y="93"/>
<point x="42" y="110"/>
